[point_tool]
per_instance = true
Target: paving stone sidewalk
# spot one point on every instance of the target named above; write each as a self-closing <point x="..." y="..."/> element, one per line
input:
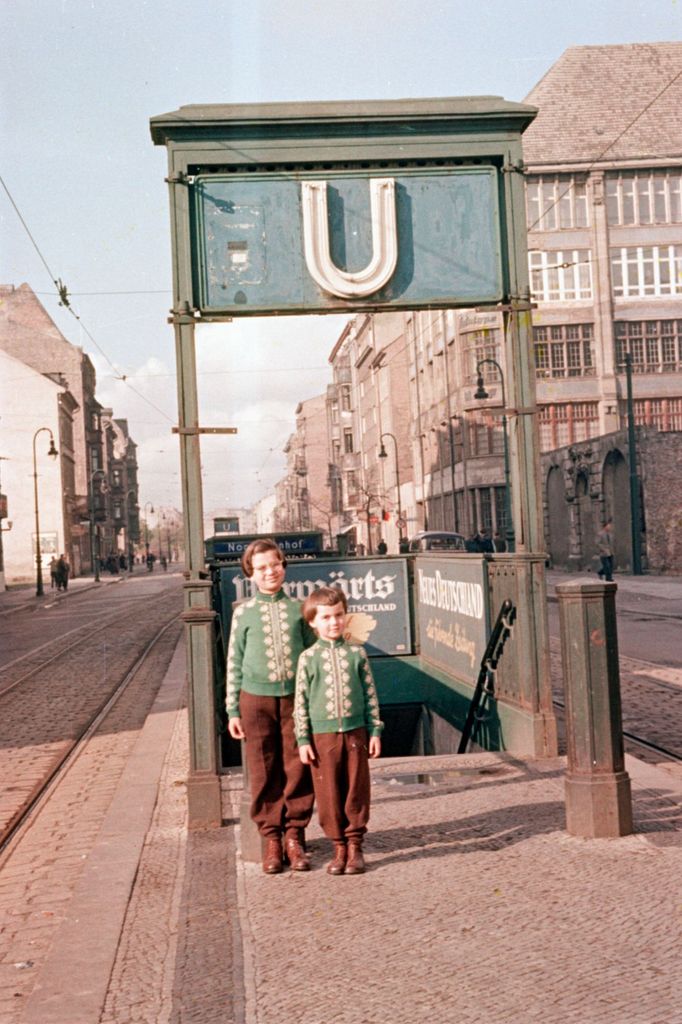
<point x="477" y="907"/>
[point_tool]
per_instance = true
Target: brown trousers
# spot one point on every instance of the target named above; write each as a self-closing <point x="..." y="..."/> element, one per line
<point x="281" y="788"/>
<point x="341" y="781"/>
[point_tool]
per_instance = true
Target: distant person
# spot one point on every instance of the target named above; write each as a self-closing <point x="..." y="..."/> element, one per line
<point x="499" y="543"/>
<point x="53" y="572"/>
<point x="382" y="547"/>
<point x="605" y="550"/>
<point x="62" y="572"/>
<point x="164" y="562"/>
<point x="338" y="727"/>
<point x="151" y="558"/>
<point x="485" y="543"/>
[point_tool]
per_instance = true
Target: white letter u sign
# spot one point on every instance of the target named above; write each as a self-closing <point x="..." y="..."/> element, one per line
<point x="350" y="284"/>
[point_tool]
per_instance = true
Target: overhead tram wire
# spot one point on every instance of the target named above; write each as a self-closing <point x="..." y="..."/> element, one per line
<point x="64" y="301"/>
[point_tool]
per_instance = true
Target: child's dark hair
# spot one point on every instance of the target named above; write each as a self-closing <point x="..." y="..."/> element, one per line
<point x="328" y="596"/>
<point x="259" y="547"/>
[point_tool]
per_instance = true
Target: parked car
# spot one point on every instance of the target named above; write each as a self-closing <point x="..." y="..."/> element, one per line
<point x="437" y="540"/>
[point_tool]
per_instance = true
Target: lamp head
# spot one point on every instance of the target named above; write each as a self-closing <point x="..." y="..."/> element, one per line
<point x="52" y="453"/>
<point x="480" y="393"/>
<point x="383" y="454"/>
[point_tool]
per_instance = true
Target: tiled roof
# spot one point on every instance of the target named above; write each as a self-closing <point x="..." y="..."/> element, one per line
<point x="608" y="103"/>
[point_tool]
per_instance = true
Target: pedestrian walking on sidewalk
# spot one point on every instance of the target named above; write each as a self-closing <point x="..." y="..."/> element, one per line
<point x="338" y="727"/>
<point x="266" y="638"/>
<point x="62" y="572"/>
<point x="605" y="549"/>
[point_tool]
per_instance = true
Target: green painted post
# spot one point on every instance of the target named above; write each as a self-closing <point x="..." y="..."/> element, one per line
<point x="598" y="799"/>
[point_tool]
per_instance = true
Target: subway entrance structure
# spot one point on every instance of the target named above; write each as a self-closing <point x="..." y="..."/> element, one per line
<point x="309" y="208"/>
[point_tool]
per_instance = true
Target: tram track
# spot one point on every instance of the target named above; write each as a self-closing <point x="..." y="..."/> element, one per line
<point x="48" y="709"/>
<point x="20" y="821"/>
<point x="86" y="630"/>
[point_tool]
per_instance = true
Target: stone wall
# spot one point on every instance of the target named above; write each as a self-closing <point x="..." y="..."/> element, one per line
<point x="585" y="483"/>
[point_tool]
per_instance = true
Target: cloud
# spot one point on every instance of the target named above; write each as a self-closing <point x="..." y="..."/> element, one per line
<point x="251" y="375"/>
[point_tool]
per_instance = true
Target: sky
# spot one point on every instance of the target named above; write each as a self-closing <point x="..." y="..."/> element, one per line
<point x="79" y="82"/>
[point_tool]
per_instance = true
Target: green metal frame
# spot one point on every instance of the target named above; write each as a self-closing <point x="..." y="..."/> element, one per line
<point x="368" y="136"/>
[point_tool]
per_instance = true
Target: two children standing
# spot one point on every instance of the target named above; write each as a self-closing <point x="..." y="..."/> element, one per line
<point x="305" y="702"/>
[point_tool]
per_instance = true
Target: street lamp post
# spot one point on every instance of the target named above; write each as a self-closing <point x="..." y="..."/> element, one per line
<point x="94" y="547"/>
<point x="635" y="524"/>
<point x="146" y="526"/>
<point x="129" y="542"/>
<point x="482" y="394"/>
<point x="383" y="454"/>
<point x="52" y="453"/>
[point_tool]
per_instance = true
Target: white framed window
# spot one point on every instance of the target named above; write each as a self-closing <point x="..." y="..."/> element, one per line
<point x="644" y="197"/>
<point x="641" y="270"/>
<point x="560" y="275"/>
<point x="556" y="202"/>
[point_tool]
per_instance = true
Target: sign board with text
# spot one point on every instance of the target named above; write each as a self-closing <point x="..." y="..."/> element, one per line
<point x="255" y="251"/>
<point x="451" y="604"/>
<point x="376" y="589"/>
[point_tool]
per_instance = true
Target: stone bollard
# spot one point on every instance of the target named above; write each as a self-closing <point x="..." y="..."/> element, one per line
<point x="598" y="800"/>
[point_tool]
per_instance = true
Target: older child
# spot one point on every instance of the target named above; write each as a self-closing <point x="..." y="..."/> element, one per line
<point x="337" y="727"/>
<point x="266" y="638"/>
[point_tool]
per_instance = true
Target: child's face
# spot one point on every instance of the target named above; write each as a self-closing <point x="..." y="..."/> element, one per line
<point x="329" y="621"/>
<point x="268" y="571"/>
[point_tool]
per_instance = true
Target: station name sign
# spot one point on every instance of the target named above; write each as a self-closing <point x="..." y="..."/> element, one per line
<point x="344" y="240"/>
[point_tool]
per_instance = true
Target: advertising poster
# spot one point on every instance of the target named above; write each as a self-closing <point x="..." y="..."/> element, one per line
<point x="451" y="596"/>
<point x="376" y="590"/>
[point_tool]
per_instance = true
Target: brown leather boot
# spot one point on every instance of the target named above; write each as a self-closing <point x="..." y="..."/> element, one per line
<point x="295" y="854"/>
<point x="272" y="857"/>
<point x="338" y="865"/>
<point x="355" y="864"/>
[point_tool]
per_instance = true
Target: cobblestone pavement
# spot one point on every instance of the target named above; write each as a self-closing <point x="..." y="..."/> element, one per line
<point x="477" y="907"/>
<point x="35" y="732"/>
<point x="39" y="879"/>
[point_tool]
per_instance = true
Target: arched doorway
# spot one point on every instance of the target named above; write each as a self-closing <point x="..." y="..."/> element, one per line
<point x="616" y="490"/>
<point x="585" y="523"/>
<point x="557" y="518"/>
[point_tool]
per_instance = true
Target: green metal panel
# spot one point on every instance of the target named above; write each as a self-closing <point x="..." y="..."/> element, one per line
<point x="248" y="250"/>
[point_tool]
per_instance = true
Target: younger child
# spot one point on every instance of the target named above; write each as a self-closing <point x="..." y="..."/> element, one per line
<point x="337" y="727"/>
<point x="266" y="638"/>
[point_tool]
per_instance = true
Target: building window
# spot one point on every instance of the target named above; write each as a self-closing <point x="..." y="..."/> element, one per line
<point x="94" y="458"/>
<point x="661" y="413"/>
<point x="646" y="270"/>
<point x="560" y="275"/>
<point x="563" y="350"/>
<point x="644" y="197"/>
<point x="116" y="477"/>
<point x="348" y="441"/>
<point x="567" y="422"/>
<point x="478" y="345"/>
<point x="345" y="398"/>
<point x="117" y="510"/>
<point x="655" y="345"/>
<point x="335" y="413"/>
<point x="485" y="434"/>
<point x="555" y="203"/>
<point x="352" y="489"/>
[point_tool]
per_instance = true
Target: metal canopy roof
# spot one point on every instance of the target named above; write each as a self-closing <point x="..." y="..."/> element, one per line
<point x="413" y="115"/>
